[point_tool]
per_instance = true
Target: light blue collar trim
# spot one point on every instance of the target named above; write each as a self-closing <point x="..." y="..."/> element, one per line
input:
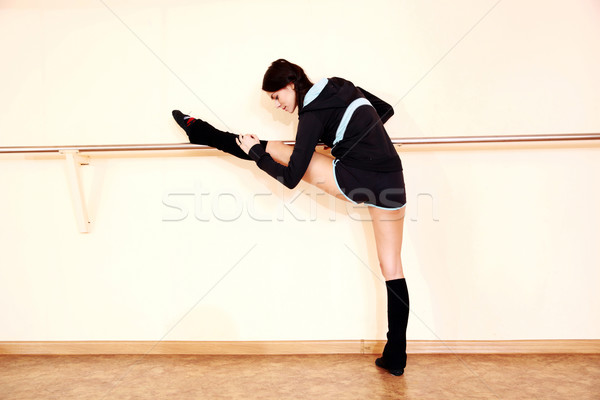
<point x="314" y="91"/>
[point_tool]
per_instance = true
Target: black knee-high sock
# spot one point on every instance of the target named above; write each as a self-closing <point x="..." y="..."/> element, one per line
<point x="201" y="132"/>
<point x="394" y="353"/>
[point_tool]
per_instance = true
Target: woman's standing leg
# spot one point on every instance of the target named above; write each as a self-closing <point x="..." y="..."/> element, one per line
<point x="388" y="226"/>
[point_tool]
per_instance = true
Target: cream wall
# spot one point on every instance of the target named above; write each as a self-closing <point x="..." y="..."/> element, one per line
<point x="501" y="242"/>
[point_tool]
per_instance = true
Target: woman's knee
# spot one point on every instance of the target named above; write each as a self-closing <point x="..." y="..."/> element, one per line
<point x="391" y="272"/>
<point x="390" y="259"/>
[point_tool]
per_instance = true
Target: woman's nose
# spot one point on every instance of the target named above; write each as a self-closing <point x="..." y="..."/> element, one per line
<point x="277" y="104"/>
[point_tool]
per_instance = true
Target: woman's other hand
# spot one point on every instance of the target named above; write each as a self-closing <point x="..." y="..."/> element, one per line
<point x="247" y="141"/>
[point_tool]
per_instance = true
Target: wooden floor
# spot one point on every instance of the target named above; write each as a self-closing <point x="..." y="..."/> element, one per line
<point x="474" y="376"/>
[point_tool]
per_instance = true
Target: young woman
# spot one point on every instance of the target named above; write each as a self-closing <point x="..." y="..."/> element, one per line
<point x="364" y="168"/>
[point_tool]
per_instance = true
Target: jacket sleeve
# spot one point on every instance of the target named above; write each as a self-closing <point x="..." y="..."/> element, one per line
<point x="310" y="129"/>
<point x="384" y="110"/>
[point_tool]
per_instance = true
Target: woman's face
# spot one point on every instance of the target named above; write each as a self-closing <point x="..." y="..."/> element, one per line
<point x="285" y="98"/>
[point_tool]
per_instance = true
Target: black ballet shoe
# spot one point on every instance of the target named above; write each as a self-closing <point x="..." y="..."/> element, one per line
<point x="183" y="120"/>
<point x="380" y="362"/>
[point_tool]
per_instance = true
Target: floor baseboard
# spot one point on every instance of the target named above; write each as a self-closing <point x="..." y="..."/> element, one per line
<point x="299" y="347"/>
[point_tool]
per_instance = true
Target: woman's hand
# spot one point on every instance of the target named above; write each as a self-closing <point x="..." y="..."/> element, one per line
<point x="246" y="142"/>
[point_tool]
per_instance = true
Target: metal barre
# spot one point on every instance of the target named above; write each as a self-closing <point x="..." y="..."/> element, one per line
<point x="402" y="141"/>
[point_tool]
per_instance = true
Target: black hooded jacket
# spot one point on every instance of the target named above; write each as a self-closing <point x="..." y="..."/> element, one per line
<point x="364" y="144"/>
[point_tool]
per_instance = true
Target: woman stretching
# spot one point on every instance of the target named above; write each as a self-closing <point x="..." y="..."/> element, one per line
<point x="365" y="168"/>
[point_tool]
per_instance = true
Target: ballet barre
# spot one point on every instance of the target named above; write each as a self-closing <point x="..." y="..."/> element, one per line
<point x="74" y="160"/>
<point x="400" y="141"/>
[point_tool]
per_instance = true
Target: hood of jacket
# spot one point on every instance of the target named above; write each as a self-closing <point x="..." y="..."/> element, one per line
<point x="329" y="93"/>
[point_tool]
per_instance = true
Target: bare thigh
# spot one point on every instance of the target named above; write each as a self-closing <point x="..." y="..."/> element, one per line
<point x="320" y="168"/>
<point x="388" y="227"/>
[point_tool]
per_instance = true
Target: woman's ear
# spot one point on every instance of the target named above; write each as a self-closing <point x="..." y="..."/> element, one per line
<point x="292" y="85"/>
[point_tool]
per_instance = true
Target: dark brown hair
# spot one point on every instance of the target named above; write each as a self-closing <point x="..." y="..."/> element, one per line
<point x="281" y="73"/>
